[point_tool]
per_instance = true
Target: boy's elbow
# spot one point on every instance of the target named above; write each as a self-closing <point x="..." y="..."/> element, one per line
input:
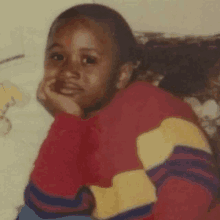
<point x="182" y="200"/>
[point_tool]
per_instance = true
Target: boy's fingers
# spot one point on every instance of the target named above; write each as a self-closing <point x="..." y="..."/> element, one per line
<point x="41" y="96"/>
<point x="45" y="88"/>
<point x="48" y="86"/>
<point x="40" y="93"/>
<point x="50" y="82"/>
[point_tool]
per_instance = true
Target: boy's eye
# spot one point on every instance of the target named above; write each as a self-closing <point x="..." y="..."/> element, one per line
<point x="56" y="56"/>
<point x="89" y="60"/>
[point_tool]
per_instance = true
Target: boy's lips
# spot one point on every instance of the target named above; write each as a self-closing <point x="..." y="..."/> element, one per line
<point x="69" y="88"/>
<point x="69" y="85"/>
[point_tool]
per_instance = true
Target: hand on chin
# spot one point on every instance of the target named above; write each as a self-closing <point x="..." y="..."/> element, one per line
<point x="56" y="102"/>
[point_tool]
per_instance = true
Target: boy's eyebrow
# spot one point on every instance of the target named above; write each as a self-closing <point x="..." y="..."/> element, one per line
<point x="92" y="49"/>
<point x="53" y="45"/>
<point x="83" y="49"/>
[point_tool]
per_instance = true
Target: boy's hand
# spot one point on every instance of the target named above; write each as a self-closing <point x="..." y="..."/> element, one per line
<point x="55" y="102"/>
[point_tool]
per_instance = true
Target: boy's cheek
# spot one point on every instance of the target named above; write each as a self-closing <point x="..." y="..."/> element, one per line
<point x="49" y="73"/>
<point x="92" y="80"/>
<point x="49" y="70"/>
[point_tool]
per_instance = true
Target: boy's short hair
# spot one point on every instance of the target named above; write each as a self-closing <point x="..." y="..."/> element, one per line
<point x="127" y="47"/>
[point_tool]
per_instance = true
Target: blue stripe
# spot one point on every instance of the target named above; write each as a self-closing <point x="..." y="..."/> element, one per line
<point x="83" y="194"/>
<point x="183" y="164"/>
<point x="82" y="200"/>
<point x="28" y="214"/>
<point x="212" y="185"/>
<point x="180" y="168"/>
<point x="203" y="161"/>
<point x="46" y="215"/>
<point x="192" y="151"/>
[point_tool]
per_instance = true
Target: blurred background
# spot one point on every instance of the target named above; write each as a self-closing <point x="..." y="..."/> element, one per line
<point x="24" y="23"/>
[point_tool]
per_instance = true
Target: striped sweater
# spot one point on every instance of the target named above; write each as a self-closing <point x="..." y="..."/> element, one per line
<point x="141" y="157"/>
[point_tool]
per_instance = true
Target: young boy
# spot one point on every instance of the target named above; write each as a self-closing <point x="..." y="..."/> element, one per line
<point x="118" y="149"/>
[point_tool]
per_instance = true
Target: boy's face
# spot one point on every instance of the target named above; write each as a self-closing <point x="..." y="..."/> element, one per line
<point x="81" y="56"/>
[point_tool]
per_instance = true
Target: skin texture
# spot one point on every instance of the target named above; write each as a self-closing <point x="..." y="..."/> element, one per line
<point x="81" y="52"/>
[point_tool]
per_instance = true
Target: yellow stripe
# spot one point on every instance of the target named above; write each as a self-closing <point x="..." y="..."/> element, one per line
<point x="130" y="190"/>
<point x="156" y="146"/>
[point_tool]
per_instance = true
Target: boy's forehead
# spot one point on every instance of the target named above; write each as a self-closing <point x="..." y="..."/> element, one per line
<point x="97" y="31"/>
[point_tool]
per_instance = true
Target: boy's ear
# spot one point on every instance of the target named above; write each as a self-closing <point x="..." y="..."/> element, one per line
<point x="125" y="75"/>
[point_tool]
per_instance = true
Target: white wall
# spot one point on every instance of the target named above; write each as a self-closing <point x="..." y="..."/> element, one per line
<point x="199" y="17"/>
<point x="24" y="23"/>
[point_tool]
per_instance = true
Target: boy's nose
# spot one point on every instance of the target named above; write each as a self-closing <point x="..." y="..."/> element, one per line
<point x="71" y="69"/>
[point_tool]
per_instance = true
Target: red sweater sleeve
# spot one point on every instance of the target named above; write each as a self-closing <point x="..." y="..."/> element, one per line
<point x="56" y="169"/>
<point x="56" y="185"/>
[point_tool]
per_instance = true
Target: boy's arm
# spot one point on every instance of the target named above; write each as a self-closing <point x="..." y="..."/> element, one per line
<point x="177" y="158"/>
<point x="56" y="184"/>
<point x="182" y="168"/>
